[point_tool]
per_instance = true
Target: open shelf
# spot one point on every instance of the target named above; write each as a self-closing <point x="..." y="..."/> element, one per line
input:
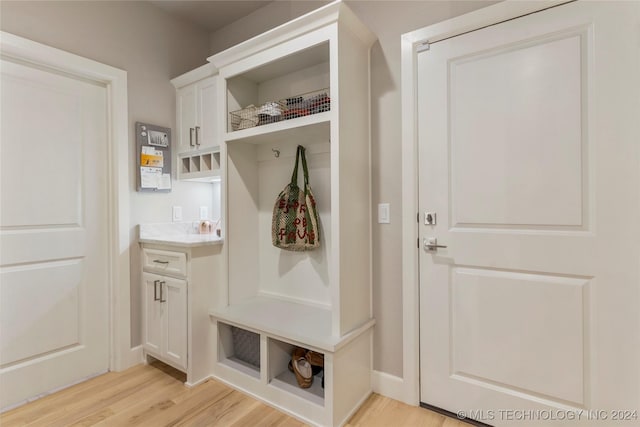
<point x="282" y="378"/>
<point x="199" y="166"/>
<point x="287" y="381"/>
<point x="241" y="366"/>
<point x="310" y="129"/>
<point x="239" y="349"/>
<point x="306" y="58"/>
<point x="307" y="325"/>
<point x="261" y="90"/>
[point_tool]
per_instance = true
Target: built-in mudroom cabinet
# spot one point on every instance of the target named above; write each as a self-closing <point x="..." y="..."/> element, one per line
<point x="303" y="83"/>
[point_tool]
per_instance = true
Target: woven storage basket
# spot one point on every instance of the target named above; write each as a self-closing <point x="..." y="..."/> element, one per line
<point x="246" y="346"/>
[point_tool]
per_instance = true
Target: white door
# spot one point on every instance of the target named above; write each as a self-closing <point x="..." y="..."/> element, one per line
<point x="174" y="326"/>
<point x="152" y="313"/>
<point x="529" y="156"/>
<point x="207" y="113"/>
<point x="187" y="112"/>
<point x="165" y="318"/>
<point x="53" y="235"/>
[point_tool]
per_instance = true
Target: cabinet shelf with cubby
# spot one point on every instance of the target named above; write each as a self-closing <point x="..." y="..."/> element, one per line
<point x="198" y="133"/>
<point x="202" y="165"/>
<point x="319" y="299"/>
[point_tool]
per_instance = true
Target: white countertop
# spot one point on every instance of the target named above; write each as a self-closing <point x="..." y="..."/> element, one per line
<point x="176" y="234"/>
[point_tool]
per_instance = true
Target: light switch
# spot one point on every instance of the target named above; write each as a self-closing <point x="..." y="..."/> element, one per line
<point x="204" y="212"/>
<point x="177" y="213"/>
<point x="383" y="213"/>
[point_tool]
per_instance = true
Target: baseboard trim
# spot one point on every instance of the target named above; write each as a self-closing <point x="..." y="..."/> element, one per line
<point x="134" y="357"/>
<point x="390" y="386"/>
<point x="200" y="381"/>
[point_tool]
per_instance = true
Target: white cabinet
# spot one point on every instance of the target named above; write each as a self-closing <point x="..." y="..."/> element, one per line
<point x="197" y="114"/>
<point x="198" y="132"/>
<point x="179" y="285"/>
<point x="319" y="300"/>
<point x="165" y="320"/>
<point x="186" y="109"/>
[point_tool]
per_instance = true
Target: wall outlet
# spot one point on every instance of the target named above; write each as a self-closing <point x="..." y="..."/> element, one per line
<point x="204" y="212"/>
<point x="177" y="213"/>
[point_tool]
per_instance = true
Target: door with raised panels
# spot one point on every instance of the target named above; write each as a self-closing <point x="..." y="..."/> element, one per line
<point x="207" y="112"/>
<point x="53" y="231"/>
<point x="529" y="157"/>
<point x="187" y="116"/>
<point x="174" y="322"/>
<point x="152" y="312"/>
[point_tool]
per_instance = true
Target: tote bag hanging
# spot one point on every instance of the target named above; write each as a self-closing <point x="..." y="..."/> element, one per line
<point x="294" y="226"/>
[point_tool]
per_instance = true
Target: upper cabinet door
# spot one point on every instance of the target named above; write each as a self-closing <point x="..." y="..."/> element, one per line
<point x="187" y="106"/>
<point x="206" y="131"/>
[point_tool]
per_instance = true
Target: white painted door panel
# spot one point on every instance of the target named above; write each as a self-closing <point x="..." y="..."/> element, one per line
<point x="152" y="313"/>
<point x="208" y="112"/>
<point x="53" y="260"/>
<point x="529" y="155"/>
<point x="187" y="113"/>
<point x="174" y="295"/>
<point x="165" y="318"/>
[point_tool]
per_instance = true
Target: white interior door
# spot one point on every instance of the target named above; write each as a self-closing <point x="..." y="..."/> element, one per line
<point x="529" y="156"/>
<point x="53" y="260"/>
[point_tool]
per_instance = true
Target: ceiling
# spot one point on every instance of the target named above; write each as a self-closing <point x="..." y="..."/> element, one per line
<point x="213" y="14"/>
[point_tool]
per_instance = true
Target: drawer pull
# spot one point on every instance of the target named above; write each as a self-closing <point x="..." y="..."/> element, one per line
<point x="157" y="261"/>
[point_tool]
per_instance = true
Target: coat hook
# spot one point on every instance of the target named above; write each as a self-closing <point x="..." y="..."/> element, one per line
<point x="276" y="153"/>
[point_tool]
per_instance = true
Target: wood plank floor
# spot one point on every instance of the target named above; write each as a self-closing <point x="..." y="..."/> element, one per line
<point x="153" y="395"/>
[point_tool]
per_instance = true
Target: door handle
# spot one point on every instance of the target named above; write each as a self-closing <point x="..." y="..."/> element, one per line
<point x="191" y="131"/>
<point x="431" y="244"/>
<point x="155" y="290"/>
<point x="161" y="291"/>
<point x="197" y="135"/>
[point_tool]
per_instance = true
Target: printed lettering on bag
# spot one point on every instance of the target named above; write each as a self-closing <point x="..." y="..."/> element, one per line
<point x="297" y="221"/>
<point x="282" y="204"/>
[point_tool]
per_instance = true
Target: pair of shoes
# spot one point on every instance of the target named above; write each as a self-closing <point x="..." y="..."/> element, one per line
<point x="301" y="368"/>
<point x="315" y="358"/>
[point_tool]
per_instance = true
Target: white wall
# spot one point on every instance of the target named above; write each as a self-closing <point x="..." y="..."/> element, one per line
<point x="388" y="19"/>
<point x="153" y="47"/>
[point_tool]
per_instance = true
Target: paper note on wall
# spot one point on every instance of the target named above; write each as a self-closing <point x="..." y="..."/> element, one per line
<point x="150" y="157"/>
<point x="164" y="182"/>
<point x="150" y="177"/>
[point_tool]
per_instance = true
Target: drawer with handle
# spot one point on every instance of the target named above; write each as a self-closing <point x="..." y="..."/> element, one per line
<point x="165" y="262"/>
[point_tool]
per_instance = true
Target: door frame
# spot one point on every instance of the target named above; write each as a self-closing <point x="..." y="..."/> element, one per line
<point x="121" y="356"/>
<point x="411" y="43"/>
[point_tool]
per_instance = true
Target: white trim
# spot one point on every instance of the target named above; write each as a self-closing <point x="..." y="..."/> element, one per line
<point x="388" y="385"/>
<point x="190" y="77"/>
<point x="410" y="276"/>
<point x="321" y="17"/>
<point x="135" y="357"/>
<point x="115" y="81"/>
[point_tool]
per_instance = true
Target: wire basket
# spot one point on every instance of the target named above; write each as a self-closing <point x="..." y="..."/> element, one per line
<point x="306" y="104"/>
<point x="274" y="111"/>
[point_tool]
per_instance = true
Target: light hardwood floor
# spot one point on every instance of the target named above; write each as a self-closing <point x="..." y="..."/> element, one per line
<point x="153" y="395"/>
